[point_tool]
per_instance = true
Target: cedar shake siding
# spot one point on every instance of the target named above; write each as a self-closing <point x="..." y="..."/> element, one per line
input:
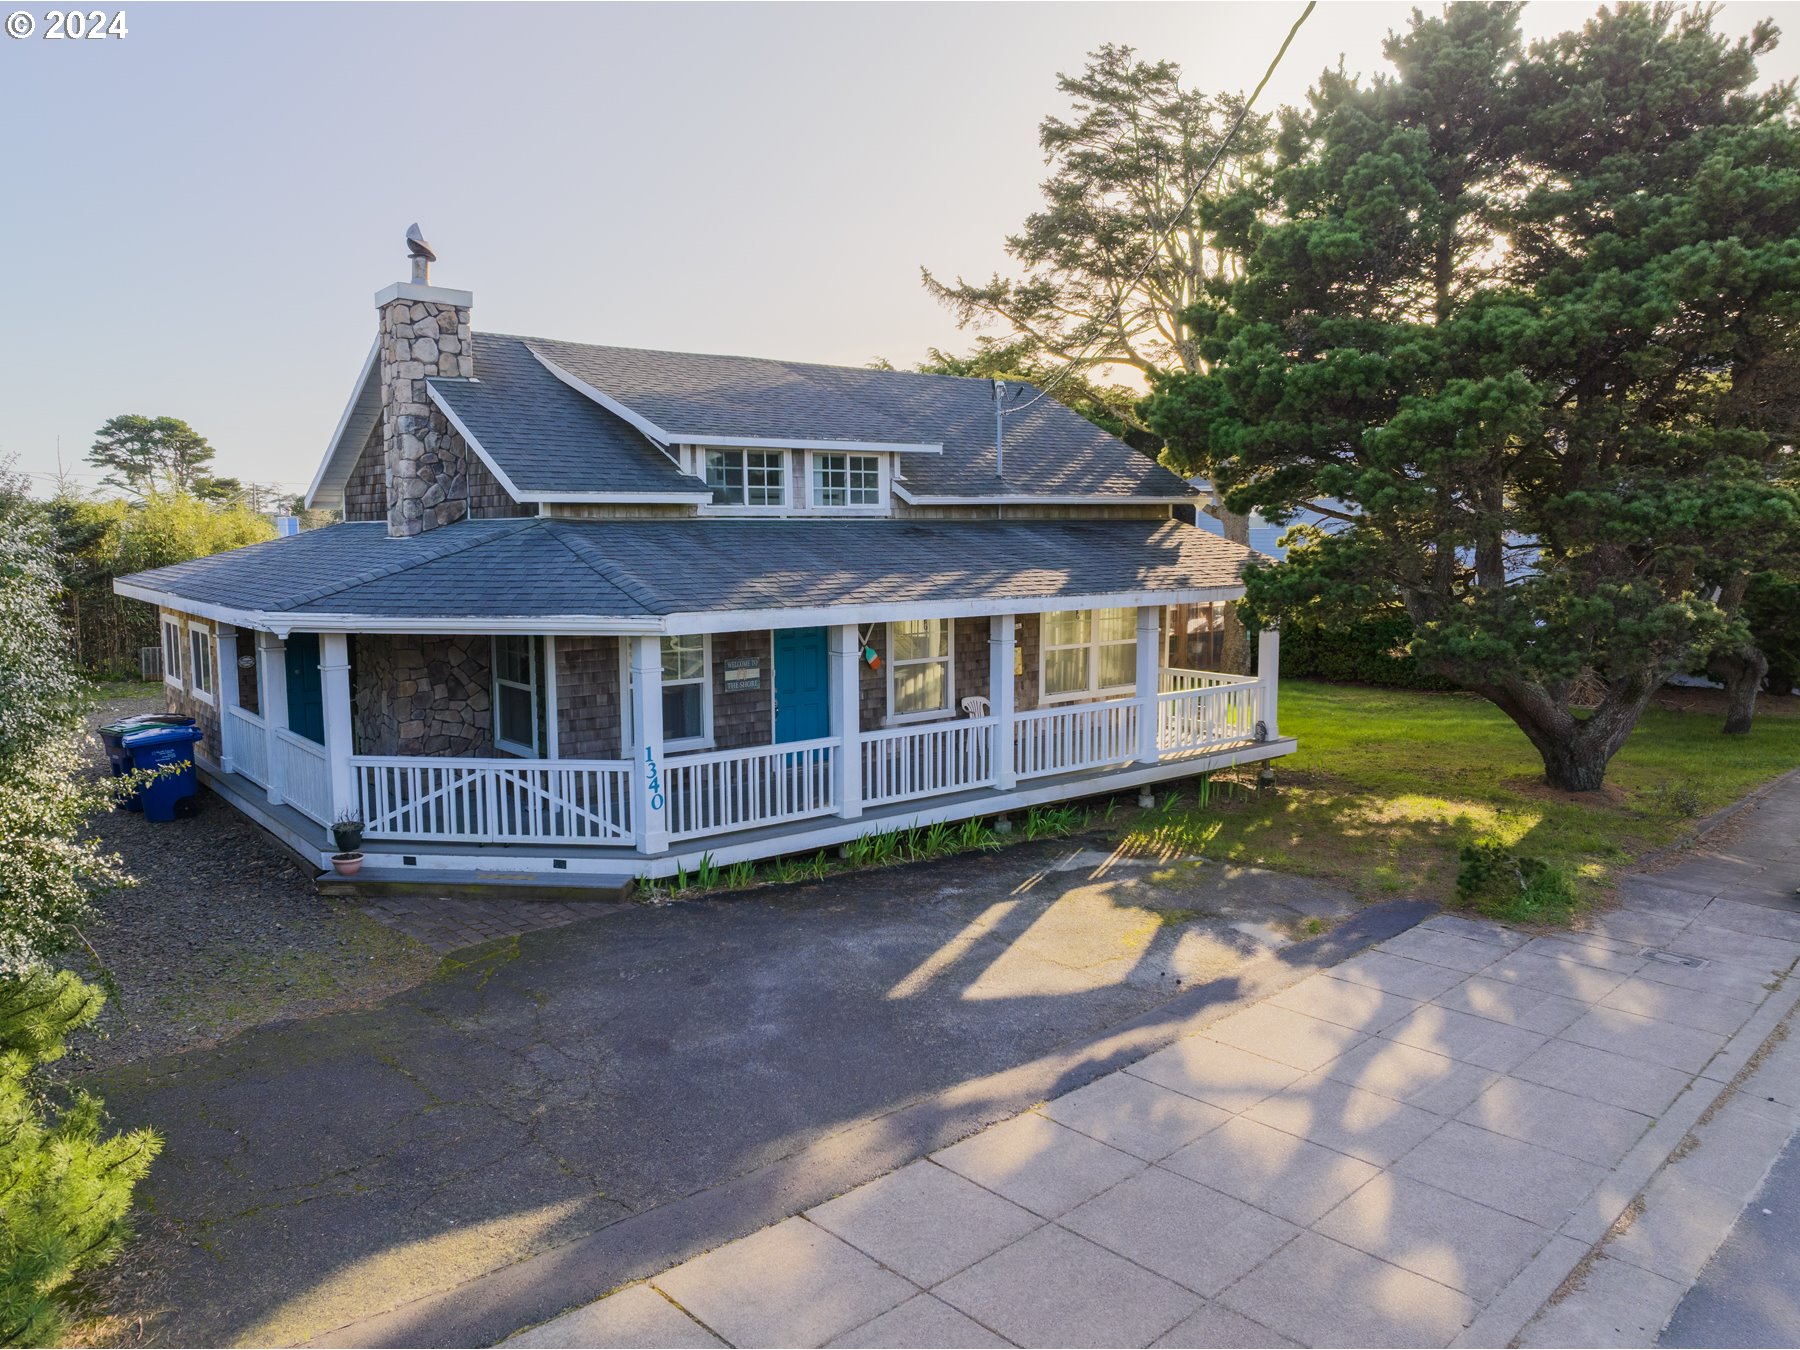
<point x="365" y="494"/>
<point x="747" y="717"/>
<point x="588" y="693"/>
<point x="487" y="499"/>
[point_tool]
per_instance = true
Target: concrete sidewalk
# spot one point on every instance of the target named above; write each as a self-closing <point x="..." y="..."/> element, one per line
<point x="1463" y="1136"/>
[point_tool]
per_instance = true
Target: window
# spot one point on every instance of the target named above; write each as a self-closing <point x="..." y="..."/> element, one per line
<point x="746" y="477"/>
<point x="515" y="695"/>
<point x="918" y="668"/>
<point x="687" y="691"/>
<point x="172" y="652"/>
<point x="846" y="480"/>
<point x="200" y="669"/>
<point x="1088" y="652"/>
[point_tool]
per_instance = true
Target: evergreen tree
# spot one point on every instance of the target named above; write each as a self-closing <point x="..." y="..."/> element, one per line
<point x="65" y="1189"/>
<point x="1519" y="310"/>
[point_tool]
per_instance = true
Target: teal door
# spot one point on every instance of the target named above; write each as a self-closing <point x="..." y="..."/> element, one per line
<point x="802" y="695"/>
<point x="305" y="694"/>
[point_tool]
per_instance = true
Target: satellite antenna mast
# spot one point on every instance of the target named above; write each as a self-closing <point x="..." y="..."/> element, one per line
<point x="999" y="429"/>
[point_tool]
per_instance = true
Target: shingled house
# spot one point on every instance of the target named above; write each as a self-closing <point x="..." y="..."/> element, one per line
<point x="602" y="611"/>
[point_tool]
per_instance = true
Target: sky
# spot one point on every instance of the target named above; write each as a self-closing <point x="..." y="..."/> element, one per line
<point x="194" y="217"/>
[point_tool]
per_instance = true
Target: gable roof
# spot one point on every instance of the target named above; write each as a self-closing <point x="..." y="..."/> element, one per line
<point x="567" y="421"/>
<point x="546" y="573"/>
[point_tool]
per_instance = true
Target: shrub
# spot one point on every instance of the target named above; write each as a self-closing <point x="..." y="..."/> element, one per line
<point x="1506" y="885"/>
<point x="1370" y="651"/>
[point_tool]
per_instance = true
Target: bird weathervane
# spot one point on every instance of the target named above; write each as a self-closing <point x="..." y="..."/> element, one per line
<point x="422" y="256"/>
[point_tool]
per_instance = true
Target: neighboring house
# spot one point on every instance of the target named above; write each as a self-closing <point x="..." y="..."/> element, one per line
<point x="1265" y="535"/>
<point x="604" y="612"/>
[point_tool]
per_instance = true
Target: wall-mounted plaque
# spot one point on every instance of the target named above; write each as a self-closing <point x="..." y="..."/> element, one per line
<point x="743" y="672"/>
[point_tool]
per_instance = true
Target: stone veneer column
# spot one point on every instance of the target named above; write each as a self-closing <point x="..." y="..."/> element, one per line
<point x="424" y="333"/>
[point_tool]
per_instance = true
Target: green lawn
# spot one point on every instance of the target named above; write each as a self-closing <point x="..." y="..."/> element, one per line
<point x="1388" y="786"/>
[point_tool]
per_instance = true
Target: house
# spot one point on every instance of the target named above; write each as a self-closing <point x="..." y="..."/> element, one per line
<point x="602" y="611"/>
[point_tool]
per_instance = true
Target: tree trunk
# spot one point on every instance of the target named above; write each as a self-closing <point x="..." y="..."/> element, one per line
<point x="1236" y="644"/>
<point x="1741" y="672"/>
<point x="1575" y="750"/>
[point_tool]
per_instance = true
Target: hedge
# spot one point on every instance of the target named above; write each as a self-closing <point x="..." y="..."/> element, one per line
<point x="1370" y="652"/>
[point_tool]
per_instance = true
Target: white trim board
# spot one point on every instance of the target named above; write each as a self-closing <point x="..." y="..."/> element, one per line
<point x="370" y="371"/>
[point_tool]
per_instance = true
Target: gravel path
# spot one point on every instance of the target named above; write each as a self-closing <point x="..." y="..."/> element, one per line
<point x="224" y="932"/>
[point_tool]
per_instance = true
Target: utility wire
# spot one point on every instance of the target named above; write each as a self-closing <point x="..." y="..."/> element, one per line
<point x="1156" y="246"/>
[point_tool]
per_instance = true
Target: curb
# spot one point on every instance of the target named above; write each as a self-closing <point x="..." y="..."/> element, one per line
<point x="1707" y="824"/>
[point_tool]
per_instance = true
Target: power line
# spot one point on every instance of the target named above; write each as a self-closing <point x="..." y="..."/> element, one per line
<point x="1156" y="245"/>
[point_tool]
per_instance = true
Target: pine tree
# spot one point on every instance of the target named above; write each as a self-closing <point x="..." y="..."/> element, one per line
<point x="1521" y="310"/>
<point x="65" y="1189"/>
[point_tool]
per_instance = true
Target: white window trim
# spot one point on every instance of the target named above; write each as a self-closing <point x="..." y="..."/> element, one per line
<point x="198" y="630"/>
<point x="884" y="490"/>
<point x="894" y="719"/>
<point x="501" y="743"/>
<point x="628" y="728"/>
<point x="1094" y="692"/>
<point x="707" y="739"/>
<point x="787" y="459"/>
<point x="173" y="676"/>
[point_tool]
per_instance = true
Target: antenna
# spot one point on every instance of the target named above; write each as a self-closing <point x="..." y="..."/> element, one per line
<point x="999" y="429"/>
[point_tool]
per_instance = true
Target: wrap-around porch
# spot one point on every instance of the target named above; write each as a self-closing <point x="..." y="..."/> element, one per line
<point x="734" y="744"/>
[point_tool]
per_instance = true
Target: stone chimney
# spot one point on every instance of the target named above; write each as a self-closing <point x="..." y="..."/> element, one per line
<point x="424" y="333"/>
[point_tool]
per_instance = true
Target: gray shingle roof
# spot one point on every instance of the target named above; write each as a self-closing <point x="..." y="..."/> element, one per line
<point x="542" y="566"/>
<point x="1050" y="450"/>
<point x="546" y="437"/>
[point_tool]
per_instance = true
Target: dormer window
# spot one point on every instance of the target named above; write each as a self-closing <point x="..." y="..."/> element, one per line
<point x="846" y="480"/>
<point x="747" y="477"/>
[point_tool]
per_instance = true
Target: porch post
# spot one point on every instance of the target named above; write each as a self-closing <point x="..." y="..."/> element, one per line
<point x="648" y="819"/>
<point x="334" y="677"/>
<point x="1268" y="671"/>
<point x="552" y="742"/>
<point x="846" y="716"/>
<point x="1149" y="683"/>
<point x="225" y="638"/>
<point x="271" y="699"/>
<point x="1002" y="656"/>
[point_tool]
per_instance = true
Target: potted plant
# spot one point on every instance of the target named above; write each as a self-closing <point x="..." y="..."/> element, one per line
<point x="347" y="829"/>
<point x="347" y="863"/>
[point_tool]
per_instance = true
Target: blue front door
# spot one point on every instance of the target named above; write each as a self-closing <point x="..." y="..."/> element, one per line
<point x="802" y="698"/>
<point x="305" y="693"/>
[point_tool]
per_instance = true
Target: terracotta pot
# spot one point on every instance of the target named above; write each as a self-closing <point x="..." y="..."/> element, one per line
<point x="347" y="864"/>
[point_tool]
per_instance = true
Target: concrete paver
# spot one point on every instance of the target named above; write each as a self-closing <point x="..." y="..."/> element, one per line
<point x="1139" y="1117"/>
<point x="1221" y="1075"/>
<point x="1362" y="1124"/>
<point x="1034" y="1162"/>
<point x="924" y="1222"/>
<point x="1271" y="1169"/>
<point x="1463" y="1036"/>
<point x="793" y="1284"/>
<point x="1216" y="1327"/>
<point x="1201" y="1238"/>
<point x="1560" y="1121"/>
<point x="635" y="1316"/>
<point x="1618" y="1080"/>
<point x="924" y="1322"/>
<point x="1516" y="1005"/>
<point x="1055" y="1288"/>
<point x="1397" y="974"/>
<point x="1507" y="1174"/>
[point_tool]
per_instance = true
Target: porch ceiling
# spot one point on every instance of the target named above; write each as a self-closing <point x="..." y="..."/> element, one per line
<point x="693" y="575"/>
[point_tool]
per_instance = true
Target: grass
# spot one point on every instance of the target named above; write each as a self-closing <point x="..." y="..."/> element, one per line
<point x="1388" y="788"/>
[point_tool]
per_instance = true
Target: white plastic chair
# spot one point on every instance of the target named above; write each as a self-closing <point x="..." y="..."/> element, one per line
<point x="975" y="706"/>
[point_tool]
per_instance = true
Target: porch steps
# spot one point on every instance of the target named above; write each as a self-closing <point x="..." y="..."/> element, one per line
<point x="484" y="883"/>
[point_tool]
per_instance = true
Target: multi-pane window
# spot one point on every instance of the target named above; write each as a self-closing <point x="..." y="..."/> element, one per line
<point x="918" y="667"/>
<point x="200" y="668"/>
<point x="1089" y="651"/>
<point x="172" y="652"/>
<point x="846" y="480"/>
<point x="684" y="688"/>
<point x="746" y="477"/>
<point x="515" y="694"/>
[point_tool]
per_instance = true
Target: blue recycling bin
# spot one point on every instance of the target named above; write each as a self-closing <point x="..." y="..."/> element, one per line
<point x="157" y="747"/>
<point x="112" y="736"/>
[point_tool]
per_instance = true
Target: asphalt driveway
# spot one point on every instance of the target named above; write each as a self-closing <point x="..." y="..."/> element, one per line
<point x="548" y="1087"/>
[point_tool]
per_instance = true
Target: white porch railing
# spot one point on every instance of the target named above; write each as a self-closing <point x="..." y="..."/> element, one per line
<point x="1075" y="736"/>
<point x="246" y="745"/>
<point x="1174" y="680"/>
<point x="724" y="790"/>
<point x="305" y="775"/>
<point x="904" y="763"/>
<point x="1198" y="718"/>
<point x="494" y="800"/>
